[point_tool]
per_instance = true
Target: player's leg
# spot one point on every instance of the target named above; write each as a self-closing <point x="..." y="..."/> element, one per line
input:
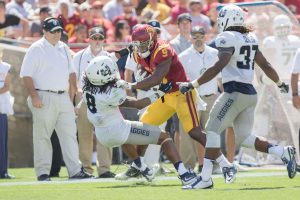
<point x="186" y="109"/>
<point x="142" y="133"/>
<point x="220" y="117"/>
<point x="155" y="114"/>
<point x="131" y="152"/>
<point x="230" y="144"/>
<point x="243" y="127"/>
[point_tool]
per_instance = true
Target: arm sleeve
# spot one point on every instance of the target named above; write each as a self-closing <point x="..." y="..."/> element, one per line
<point x="76" y="64"/>
<point x="70" y="60"/>
<point x="131" y="64"/>
<point x="116" y="97"/>
<point x="225" y="40"/>
<point x="296" y="63"/>
<point x="30" y="62"/>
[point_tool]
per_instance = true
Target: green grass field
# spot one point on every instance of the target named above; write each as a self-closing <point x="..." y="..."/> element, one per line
<point x="253" y="185"/>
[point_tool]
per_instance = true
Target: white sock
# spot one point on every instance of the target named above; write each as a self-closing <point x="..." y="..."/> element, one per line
<point x="181" y="169"/>
<point x="207" y="169"/>
<point x="223" y="162"/>
<point x="276" y="150"/>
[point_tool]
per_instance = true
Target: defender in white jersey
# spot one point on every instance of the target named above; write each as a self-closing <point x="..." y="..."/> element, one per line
<point x="103" y="99"/>
<point x="238" y="51"/>
<point x="280" y="48"/>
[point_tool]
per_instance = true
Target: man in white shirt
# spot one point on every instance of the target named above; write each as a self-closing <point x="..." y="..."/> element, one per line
<point x="295" y="80"/>
<point x="47" y="69"/>
<point x="85" y="128"/>
<point x="196" y="60"/>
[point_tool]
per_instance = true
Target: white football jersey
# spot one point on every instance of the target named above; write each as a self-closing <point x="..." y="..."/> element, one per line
<point x="241" y="65"/>
<point x="103" y="108"/>
<point x="284" y="53"/>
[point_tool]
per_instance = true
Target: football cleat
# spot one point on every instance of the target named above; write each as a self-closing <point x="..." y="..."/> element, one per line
<point x="188" y="177"/>
<point x="229" y="174"/>
<point x="132" y="172"/>
<point x="199" y="184"/>
<point x="289" y="159"/>
<point x="149" y="174"/>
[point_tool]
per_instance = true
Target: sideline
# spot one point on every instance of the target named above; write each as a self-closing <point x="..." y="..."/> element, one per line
<point x="112" y="180"/>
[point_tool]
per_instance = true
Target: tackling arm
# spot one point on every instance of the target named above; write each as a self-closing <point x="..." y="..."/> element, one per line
<point x="224" y="58"/>
<point x="132" y="102"/>
<point x="156" y="78"/>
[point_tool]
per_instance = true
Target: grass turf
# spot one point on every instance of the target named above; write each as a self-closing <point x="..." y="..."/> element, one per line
<point x="248" y="186"/>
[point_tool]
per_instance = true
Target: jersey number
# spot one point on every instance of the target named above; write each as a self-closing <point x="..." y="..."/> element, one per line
<point x="91" y="103"/>
<point x="246" y="51"/>
<point x="164" y="53"/>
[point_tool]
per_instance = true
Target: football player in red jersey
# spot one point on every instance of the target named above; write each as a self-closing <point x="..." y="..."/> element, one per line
<point x="160" y="59"/>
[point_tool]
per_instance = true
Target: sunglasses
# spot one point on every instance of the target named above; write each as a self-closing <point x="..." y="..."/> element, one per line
<point x="195" y="37"/>
<point x="97" y="38"/>
<point x="55" y="31"/>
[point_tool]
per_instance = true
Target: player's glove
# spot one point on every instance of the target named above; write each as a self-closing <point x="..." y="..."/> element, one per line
<point x="160" y="91"/>
<point x="124" y="84"/>
<point x="284" y="88"/>
<point x="185" y="87"/>
<point x="125" y="51"/>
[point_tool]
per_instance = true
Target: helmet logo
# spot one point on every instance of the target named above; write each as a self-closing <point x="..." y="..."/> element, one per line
<point x="106" y="71"/>
<point x="222" y="13"/>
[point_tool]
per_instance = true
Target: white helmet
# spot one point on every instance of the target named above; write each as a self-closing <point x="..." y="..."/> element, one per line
<point x="102" y="70"/>
<point x="282" y="26"/>
<point x="230" y="15"/>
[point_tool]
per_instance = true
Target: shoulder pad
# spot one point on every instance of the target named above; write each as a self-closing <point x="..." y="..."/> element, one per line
<point x="225" y="39"/>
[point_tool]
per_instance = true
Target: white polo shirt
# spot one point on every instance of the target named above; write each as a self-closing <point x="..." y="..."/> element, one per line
<point x="195" y="64"/>
<point x="49" y="66"/>
<point x="296" y="63"/>
<point x="82" y="59"/>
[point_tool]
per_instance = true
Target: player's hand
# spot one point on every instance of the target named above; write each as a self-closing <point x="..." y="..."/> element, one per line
<point x="125" y="51"/>
<point x="124" y="84"/>
<point x="162" y="88"/>
<point x="37" y="102"/>
<point x="284" y="88"/>
<point x="185" y="87"/>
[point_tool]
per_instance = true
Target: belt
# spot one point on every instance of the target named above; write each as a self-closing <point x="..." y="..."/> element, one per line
<point x="207" y="95"/>
<point x="52" y="91"/>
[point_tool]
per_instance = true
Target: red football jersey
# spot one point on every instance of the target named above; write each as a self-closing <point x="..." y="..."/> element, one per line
<point x="159" y="54"/>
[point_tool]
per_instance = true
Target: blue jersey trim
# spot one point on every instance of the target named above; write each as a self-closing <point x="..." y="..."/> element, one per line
<point x="244" y="88"/>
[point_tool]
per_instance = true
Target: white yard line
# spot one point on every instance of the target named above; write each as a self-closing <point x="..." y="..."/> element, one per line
<point x="111" y="180"/>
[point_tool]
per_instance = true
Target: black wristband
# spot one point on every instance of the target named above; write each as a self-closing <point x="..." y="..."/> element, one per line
<point x="295" y="94"/>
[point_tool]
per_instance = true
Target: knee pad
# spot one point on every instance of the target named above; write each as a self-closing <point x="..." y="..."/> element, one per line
<point x="213" y="140"/>
<point x="249" y="142"/>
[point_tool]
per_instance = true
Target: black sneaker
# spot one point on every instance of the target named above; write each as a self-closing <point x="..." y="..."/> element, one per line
<point x="132" y="172"/>
<point x="44" y="177"/>
<point x="107" y="174"/>
<point x="82" y="175"/>
<point x="7" y="176"/>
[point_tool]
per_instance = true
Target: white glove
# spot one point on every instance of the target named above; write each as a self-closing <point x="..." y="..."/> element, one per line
<point x="124" y="84"/>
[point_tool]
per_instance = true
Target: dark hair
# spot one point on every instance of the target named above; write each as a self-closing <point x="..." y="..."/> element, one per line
<point x="94" y="89"/>
<point x="119" y="25"/>
<point x="241" y="29"/>
<point x="2" y="3"/>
